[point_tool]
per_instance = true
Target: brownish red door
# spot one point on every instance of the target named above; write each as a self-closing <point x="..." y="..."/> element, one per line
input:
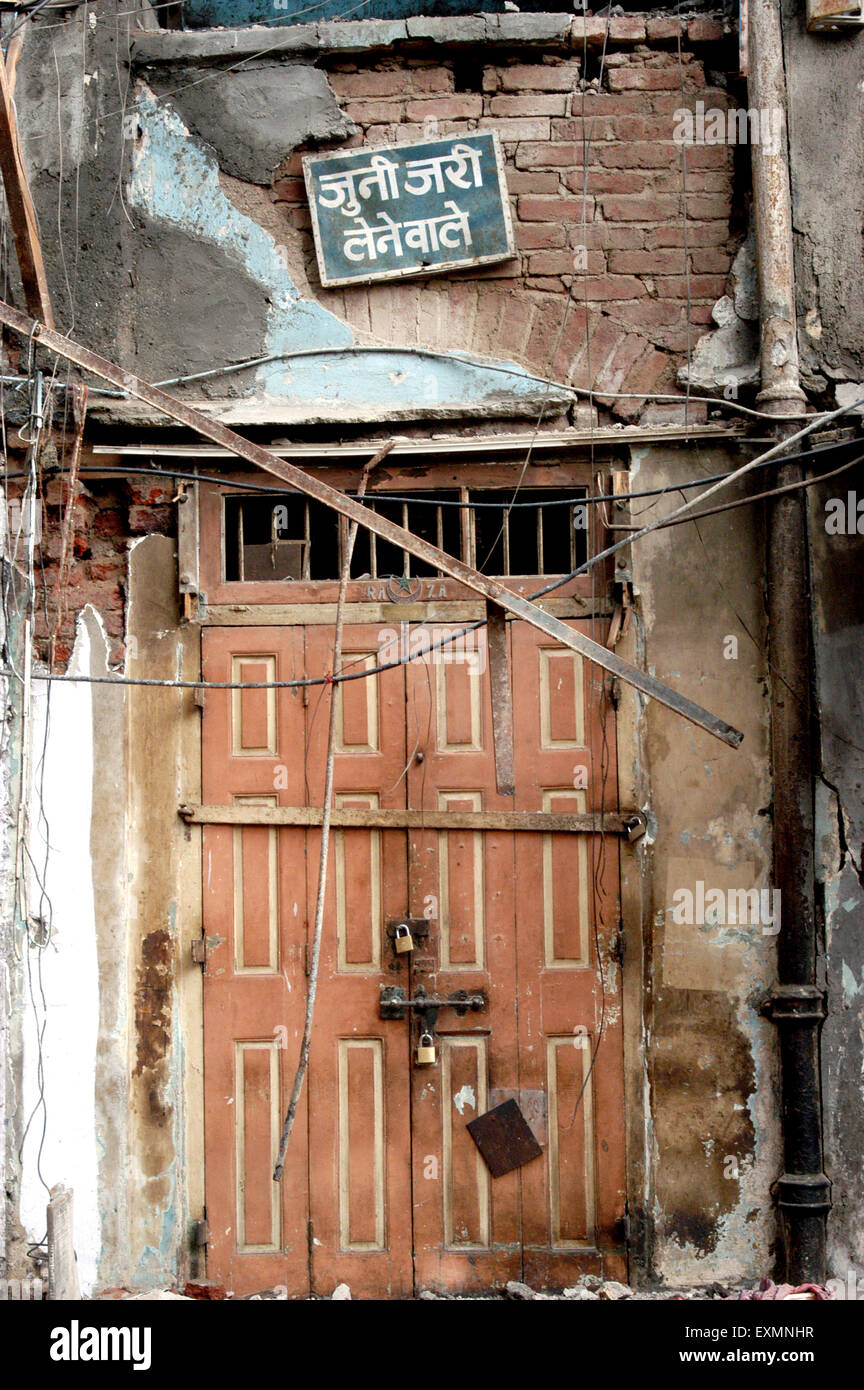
<point x="384" y="1188"/>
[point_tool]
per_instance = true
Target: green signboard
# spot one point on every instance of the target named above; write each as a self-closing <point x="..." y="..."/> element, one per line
<point x="387" y="211"/>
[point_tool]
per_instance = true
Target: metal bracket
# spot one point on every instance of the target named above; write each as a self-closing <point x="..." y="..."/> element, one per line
<point x="394" y="1004"/>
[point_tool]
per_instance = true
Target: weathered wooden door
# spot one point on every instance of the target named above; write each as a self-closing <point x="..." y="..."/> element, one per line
<point x="384" y="1188"/>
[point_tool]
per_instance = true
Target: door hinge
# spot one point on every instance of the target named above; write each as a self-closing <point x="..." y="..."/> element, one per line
<point x="199" y="950"/>
<point x="201" y="1233"/>
<point x="199" y="695"/>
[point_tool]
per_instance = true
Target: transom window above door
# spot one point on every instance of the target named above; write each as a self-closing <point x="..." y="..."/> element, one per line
<point x="291" y="537"/>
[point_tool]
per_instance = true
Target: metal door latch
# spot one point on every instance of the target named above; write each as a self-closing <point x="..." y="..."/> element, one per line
<point x="393" y="1004"/>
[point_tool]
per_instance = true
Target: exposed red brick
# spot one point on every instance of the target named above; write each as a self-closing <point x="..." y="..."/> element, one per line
<point x="646" y="373"/>
<point x="206" y="1290"/>
<point x="104" y="597"/>
<point x="654" y="314"/>
<point x="626" y="355"/>
<point x="658" y="208"/>
<point x="704" y="29"/>
<point x="547" y="155"/>
<point x="654" y="154"/>
<point x="397" y="82"/>
<point x="289" y="191"/>
<point x="540" y="181"/>
<point x="662" y="30"/>
<point x="697" y="234"/>
<point x="710" y="260"/>
<point x="108" y="570"/>
<point x="627" y="29"/>
<point x="608" y="235"/>
<point x="602" y="287"/>
<point x="608" y="181"/>
<point x="646" y="262"/>
<point x="644" y="80"/>
<point x="544" y="336"/>
<point x="506" y="270"/>
<point x="452" y="108"/>
<point x="533" y="208"/>
<point x="374" y="112"/>
<point x="573" y="340"/>
<point x="516" y="322"/>
<point x="701" y="286"/>
<point x="149" y="494"/>
<point x="530" y="104"/>
<point x="605" y="337"/>
<point x="708" y="157"/>
<point x="547" y="283"/>
<point x="709" y="205"/>
<point x="515" y="131"/>
<point x="533" y="236"/>
<point x="144" y="520"/>
<point x="588" y="128"/>
<point x="540" y="77"/>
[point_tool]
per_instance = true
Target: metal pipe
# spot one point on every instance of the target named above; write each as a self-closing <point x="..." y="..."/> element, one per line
<point x="796" y="1003"/>
<point x="772" y="211"/>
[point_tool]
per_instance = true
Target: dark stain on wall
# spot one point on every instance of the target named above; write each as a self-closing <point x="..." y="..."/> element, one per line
<point x="153" y="1018"/>
<point x="703" y="1076"/>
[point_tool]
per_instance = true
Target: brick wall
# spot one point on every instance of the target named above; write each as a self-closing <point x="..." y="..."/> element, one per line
<point x="589" y="164"/>
<point x="105" y="519"/>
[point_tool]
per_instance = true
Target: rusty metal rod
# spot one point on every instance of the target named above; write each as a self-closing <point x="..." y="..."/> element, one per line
<point x="355" y="511"/>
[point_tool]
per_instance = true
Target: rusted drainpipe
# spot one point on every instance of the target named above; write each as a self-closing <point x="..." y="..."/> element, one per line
<point x="796" y="1003"/>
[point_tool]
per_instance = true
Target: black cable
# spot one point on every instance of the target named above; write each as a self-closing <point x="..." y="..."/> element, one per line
<point x="287" y="490"/>
<point x="31" y="14"/>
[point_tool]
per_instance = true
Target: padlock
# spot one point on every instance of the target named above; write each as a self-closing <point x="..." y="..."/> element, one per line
<point x="402" y="939"/>
<point x="426" y="1053"/>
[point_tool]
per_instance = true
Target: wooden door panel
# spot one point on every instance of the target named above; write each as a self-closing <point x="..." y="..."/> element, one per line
<point x="359" y="1086"/>
<point x="384" y="1188"/>
<point x="573" y="1199"/>
<point x="466" y="1226"/>
<point x="255" y="924"/>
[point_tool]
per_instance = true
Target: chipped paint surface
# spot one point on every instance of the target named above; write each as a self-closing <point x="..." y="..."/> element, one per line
<point x="465" y="1097"/>
<point x="176" y="182"/>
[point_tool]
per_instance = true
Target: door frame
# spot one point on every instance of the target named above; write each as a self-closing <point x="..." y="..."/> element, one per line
<point x="251" y="607"/>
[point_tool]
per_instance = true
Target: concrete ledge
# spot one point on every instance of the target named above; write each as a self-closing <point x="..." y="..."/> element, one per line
<point x="371" y="35"/>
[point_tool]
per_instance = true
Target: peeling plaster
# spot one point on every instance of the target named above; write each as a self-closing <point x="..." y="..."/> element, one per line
<point x="175" y="181"/>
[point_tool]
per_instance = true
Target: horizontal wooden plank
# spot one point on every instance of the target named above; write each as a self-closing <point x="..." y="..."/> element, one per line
<point x="612" y="823"/>
<point x="433" y="610"/>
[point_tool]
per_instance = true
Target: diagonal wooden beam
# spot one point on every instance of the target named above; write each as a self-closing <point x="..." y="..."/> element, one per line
<point x="22" y="214"/>
<point x="355" y="511"/>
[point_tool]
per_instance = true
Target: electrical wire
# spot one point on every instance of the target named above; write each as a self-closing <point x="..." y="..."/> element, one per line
<point x="421" y="500"/>
<point x="586" y="392"/>
<point x="439" y="643"/>
<point x="31" y="14"/>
